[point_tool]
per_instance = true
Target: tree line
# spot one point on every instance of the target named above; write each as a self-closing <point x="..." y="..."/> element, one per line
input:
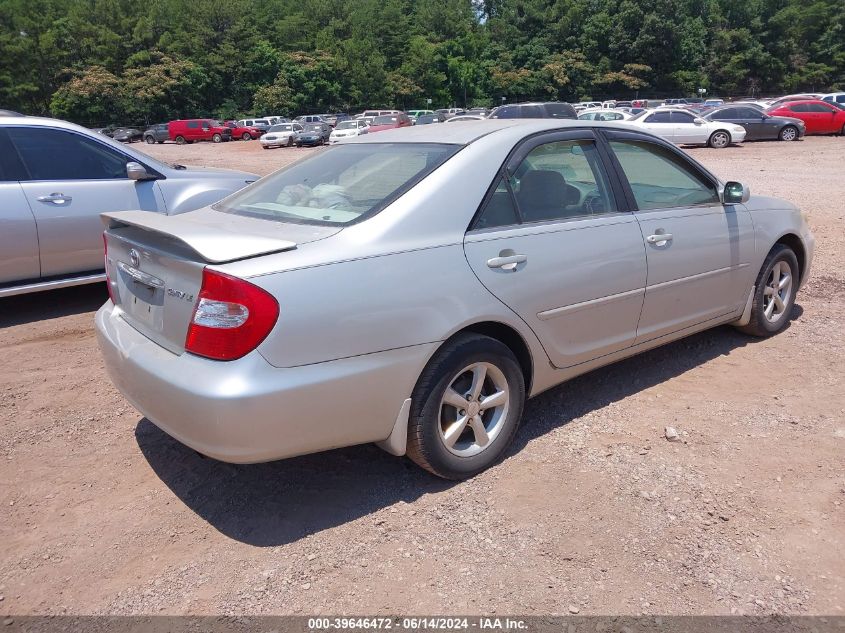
<point x="123" y="61"/>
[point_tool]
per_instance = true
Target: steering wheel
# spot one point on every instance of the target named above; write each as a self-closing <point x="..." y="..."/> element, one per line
<point x="594" y="203"/>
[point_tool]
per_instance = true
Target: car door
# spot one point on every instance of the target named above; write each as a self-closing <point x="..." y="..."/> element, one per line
<point x="554" y="244"/>
<point x="686" y="130"/>
<point x="660" y="123"/>
<point x="699" y="251"/>
<point x="828" y="121"/>
<point x="18" y="234"/>
<point x="71" y="179"/>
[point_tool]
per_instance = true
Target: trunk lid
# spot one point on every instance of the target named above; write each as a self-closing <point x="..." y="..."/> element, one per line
<point x="155" y="262"/>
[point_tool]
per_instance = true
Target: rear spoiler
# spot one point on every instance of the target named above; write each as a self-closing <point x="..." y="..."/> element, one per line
<point x="214" y="236"/>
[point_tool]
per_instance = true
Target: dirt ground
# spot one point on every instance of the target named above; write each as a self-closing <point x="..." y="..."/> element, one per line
<point x="594" y="510"/>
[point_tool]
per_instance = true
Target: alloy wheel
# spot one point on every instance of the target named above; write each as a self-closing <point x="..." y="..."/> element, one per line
<point x="720" y="140"/>
<point x="788" y="134"/>
<point x="778" y="291"/>
<point x="473" y="409"/>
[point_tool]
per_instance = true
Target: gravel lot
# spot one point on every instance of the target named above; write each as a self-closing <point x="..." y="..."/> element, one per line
<point x="594" y="510"/>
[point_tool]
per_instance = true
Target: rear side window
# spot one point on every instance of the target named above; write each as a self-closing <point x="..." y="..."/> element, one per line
<point x="506" y="112"/>
<point x="340" y="185"/>
<point x="799" y="107"/>
<point x="11" y="168"/>
<point x="500" y="209"/>
<point x="726" y="114"/>
<point x="660" y="179"/>
<point x="658" y="117"/>
<point x="50" y="154"/>
<point x="531" y="112"/>
<point x="818" y="107"/>
<point x="560" y="111"/>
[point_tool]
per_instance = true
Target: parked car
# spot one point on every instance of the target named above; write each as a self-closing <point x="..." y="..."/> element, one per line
<point x="427" y="119"/>
<point x="192" y="130"/>
<point x="682" y="127"/>
<point x="10" y="113"/>
<point x="465" y="117"/>
<point x="262" y="125"/>
<point x="819" y="117"/>
<point x="281" y="135"/>
<point x="55" y="180"/>
<point x="371" y="114"/>
<point x="485" y="112"/>
<point x="450" y="112"/>
<point x="415" y="113"/>
<point x="535" y="111"/>
<point x="244" y="132"/>
<point x="834" y="97"/>
<point x="275" y="120"/>
<point x="367" y="295"/>
<point x="310" y="118"/>
<point x="713" y="103"/>
<point x="758" y="125"/>
<point x="346" y="130"/>
<point x="389" y="122"/>
<point x="314" y="134"/>
<point x="127" y="134"/>
<point x="601" y="114"/>
<point x="157" y="133"/>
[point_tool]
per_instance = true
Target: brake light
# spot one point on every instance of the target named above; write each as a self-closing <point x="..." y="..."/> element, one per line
<point x="106" y="262"/>
<point x="231" y="318"/>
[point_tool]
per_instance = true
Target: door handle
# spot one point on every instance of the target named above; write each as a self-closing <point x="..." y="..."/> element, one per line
<point x="659" y="238"/>
<point x="507" y="262"/>
<point x="55" y="198"/>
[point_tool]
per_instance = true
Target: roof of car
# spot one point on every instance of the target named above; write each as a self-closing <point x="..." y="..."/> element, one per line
<point x="465" y="132"/>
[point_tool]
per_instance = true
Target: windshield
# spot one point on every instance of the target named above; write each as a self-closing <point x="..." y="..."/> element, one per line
<point x="347" y="125"/>
<point x="384" y="120"/>
<point x="339" y="185"/>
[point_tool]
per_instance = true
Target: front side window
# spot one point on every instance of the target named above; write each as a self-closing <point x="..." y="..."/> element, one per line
<point x="658" y="117"/>
<point x="340" y="185"/>
<point x="818" y="107"/>
<point x="681" y="117"/>
<point x="660" y="179"/>
<point x="50" y="154"/>
<point x="725" y="115"/>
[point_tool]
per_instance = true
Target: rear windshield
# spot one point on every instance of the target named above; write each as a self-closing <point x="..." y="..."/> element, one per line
<point x="340" y="185"/>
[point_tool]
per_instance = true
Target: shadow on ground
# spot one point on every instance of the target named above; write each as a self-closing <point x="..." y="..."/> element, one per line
<point x="280" y="502"/>
<point x="53" y="304"/>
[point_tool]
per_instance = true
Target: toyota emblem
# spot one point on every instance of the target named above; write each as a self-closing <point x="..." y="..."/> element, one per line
<point x="134" y="258"/>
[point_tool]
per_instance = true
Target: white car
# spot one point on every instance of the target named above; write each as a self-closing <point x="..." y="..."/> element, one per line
<point x="281" y="135"/>
<point x="683" y="127"/>
<point x="465" y="117"/>
<point x="346" y="130"/>
<point x="603" y="114"/>
<point x="835" y="97"/>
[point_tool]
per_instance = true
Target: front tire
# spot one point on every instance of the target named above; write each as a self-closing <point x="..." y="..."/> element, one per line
<point x="719" y="139"/>
<point x="466" y="407"/>
<point x="217" y="138"/>
<point x="246" y="136"/>
<point x="180" y="140"/>
<point x="788" y="133"/>
<point x="774" y="294"/>
<point x="149" y="140"/>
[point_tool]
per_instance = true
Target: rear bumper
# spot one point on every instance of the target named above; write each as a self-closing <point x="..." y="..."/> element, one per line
<point x="248" y="411"/>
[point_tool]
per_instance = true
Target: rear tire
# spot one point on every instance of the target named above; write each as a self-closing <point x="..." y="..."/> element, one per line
<point x="290" y="141"/>
<point x="180" y="140"/>
<point x="246" y="136"/>
<point x="788" y="133"/>
<point x="451" y="433"/>
<point x="774" y="294"/>
<point x="217" y="138"/>
<point x="149" y="140"/>
<point x="719" y="139"/>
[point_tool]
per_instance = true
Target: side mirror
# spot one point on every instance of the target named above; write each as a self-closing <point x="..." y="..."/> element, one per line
<point x="735" y="193"/>
<point x="136" y="171"/>
<point x="698" y="121"/>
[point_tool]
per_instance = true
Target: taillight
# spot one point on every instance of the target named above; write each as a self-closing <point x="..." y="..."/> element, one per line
<point x="231" y="318"/>
<point x="106" y="261"/>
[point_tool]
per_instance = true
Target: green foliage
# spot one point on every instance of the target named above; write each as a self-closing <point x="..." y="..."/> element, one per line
<point x="113" y="61"/>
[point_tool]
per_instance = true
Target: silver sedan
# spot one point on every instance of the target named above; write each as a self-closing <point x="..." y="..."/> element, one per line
<point x="414" y="287"/>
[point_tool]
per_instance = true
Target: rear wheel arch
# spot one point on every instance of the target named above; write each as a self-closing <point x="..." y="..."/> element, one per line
<point x="509" y="337"/>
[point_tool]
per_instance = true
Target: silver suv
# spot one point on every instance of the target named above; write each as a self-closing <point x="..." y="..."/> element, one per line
<point x="55" y="180"/>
